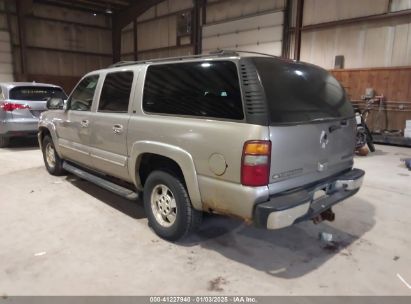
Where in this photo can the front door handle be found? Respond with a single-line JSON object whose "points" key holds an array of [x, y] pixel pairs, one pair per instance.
{"points": [[118, 129], [84, 123]]}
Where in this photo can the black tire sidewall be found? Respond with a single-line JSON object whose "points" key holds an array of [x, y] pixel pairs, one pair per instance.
{"points": [[181, 224]]}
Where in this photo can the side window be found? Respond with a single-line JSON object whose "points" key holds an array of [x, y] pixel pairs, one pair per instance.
{"points": [[82, 96], [115, 94], [208, 89], [1, 94]]}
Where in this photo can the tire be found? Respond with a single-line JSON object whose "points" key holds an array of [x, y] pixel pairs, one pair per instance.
{"points": [[168, 206], [4, 141], [54, 167]]}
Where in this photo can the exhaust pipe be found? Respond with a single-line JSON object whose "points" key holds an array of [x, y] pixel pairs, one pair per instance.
{"points": [[327, 215]]}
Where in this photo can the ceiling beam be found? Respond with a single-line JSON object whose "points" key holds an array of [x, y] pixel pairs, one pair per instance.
{"points": [[137, 7]]}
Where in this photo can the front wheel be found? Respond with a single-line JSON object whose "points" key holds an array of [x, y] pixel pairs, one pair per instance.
{"points": [[168, 206], [54, 164]]}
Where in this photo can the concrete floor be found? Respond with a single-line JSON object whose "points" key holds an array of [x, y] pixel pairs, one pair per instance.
{"points": [[64, 236]]}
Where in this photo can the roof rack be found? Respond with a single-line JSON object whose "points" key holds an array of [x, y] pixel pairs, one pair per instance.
{"points": [[218, 53]]}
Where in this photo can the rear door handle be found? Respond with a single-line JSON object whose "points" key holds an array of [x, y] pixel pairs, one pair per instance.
{"points": [[84, 123], [118, 129]]}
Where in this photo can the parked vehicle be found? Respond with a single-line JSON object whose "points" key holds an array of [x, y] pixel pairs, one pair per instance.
{"points": [[21, 104], [261, 138]]}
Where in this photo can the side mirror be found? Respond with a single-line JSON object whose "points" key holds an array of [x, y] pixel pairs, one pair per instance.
{"points": [[55, 104]]}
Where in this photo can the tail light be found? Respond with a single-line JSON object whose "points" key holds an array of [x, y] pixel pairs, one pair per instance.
{"points": [[255, 164], [10, 107]]}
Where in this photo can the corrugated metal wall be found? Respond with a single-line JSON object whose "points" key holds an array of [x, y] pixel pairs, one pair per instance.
{"points": [[382, 43], [62, 44], [241, 24], [244, 25], [157, 32], [374, 51], [6, 60]]}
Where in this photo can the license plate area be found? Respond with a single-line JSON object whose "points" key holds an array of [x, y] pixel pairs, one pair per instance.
{"points": [[320, 194]]}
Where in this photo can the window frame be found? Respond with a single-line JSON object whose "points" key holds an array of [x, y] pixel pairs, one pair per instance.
{"points": [[130, 100], [235, 62], [96, 90]]}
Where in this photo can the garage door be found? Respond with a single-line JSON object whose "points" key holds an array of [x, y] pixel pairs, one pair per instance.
{"points": [[262, 33]]}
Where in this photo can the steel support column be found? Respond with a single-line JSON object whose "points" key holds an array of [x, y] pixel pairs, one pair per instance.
{"points": [[298, 26], [116, 39], [196, 26], [24, 8], [135, 39]]}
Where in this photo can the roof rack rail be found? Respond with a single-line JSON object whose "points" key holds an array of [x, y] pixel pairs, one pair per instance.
{"points": [[250, 52], [216, 53]]}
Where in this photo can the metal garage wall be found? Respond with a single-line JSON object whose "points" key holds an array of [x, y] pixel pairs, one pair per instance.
{"points": [[62, 44], [369, 44], [319, 11], [244, 25], [383, 43], [400, 5], [157, 32], [262, 33], [6, 60], [376, 50]]}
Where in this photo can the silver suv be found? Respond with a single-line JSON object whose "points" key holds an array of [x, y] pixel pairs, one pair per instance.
{"points": [[268, 140], [20, 106]]}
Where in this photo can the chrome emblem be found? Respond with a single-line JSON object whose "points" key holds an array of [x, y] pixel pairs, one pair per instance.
{"points": [[323, 139]]}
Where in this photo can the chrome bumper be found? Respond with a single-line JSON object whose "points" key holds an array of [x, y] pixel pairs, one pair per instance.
{"points": [[286, 209]]}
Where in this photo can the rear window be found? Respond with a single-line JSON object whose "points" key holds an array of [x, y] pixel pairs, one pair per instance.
{"points": [[207, 89], [36, 93], [297, 92]]}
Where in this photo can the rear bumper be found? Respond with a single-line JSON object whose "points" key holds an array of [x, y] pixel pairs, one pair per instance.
{"points": [[20, 127], [288, 208]]}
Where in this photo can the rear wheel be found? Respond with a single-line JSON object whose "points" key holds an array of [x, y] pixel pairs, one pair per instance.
{"points": [[168, 206], [4, 141], [54, 164]]}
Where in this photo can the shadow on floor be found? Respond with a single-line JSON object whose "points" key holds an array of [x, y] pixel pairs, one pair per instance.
{"points": [[23, 144], [133, 209], [287, 253]]}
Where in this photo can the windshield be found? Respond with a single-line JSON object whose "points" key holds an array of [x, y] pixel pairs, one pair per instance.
{"points": [[298, 92], [36, 93]]}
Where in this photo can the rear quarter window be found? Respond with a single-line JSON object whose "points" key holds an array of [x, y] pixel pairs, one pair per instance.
{"points": [[201, 89], [298, 92]]}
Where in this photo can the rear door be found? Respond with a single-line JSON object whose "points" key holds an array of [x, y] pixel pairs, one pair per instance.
{"points": [[311, 123], [108, 146], [74, 129]]}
